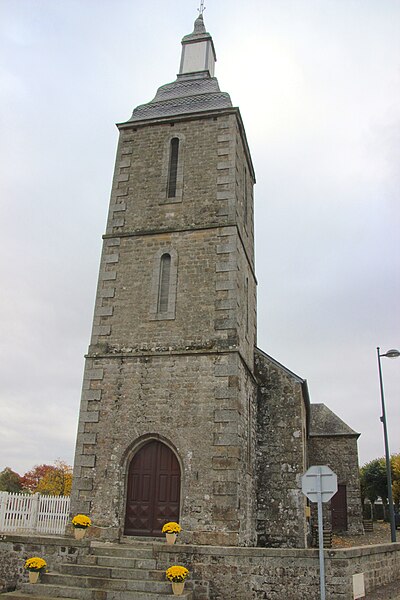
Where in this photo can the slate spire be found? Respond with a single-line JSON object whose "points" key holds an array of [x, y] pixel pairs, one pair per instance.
{"points": [[195, 89]]}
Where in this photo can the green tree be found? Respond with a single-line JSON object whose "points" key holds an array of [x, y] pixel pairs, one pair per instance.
{"points": [[10, 481], [373, 480]]}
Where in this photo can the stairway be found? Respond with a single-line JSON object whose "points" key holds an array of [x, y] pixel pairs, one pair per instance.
{"points": [[109, 572]]}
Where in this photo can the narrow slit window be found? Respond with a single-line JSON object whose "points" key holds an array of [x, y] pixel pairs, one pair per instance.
{"points": [[173, 167], [163, 287]]}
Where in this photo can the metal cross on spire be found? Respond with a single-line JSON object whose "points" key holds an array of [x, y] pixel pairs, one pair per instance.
{"points": [[202, 7]]}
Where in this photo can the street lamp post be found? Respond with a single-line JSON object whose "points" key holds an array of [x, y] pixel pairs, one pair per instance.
{"points": [[388, 354]]}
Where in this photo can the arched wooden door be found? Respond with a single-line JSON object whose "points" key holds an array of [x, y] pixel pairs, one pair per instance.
{"points": [[153, 494]]}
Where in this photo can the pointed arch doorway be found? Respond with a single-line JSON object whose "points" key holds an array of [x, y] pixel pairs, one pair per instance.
{"points": [[153, 492]]}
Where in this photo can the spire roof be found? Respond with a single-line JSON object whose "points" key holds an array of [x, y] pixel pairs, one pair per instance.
{"points": [[195, 89], [198, 31]]}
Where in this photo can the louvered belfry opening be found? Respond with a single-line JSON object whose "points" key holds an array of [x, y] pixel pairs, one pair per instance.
{"points": [[173, 167], [163, 287]]}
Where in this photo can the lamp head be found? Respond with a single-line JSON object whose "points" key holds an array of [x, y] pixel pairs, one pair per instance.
{"points": [[393, 353]]}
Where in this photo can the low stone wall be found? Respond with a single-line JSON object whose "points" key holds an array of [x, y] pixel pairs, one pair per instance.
{"points": [[379, 563], [16, 548], [274, 574], [224, 573]]}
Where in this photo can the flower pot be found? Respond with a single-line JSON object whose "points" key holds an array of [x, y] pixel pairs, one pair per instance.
{"points": [[171, 538], [79, 533], [177, 588], [33, 576]]}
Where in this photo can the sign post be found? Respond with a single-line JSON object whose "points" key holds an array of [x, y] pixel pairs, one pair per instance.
{"points": [[319, 484]]}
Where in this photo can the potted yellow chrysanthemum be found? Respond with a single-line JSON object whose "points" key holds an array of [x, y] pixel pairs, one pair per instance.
{"points": [[80, 523], [35, 566], [171, 531], [177, 575]]}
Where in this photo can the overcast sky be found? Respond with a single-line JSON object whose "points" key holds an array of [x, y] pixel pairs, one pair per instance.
{"points": [[318, 86]]}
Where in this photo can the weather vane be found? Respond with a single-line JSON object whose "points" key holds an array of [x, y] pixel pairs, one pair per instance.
{"points": [[202, 7]]}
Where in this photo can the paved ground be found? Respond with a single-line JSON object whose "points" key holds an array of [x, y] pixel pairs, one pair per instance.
{"points": [[380, 535], [389, 592]]}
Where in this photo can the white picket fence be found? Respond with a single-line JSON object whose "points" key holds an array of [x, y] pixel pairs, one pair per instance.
{"points": [[27, 513]]}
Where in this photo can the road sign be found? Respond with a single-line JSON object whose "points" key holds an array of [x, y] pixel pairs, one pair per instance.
{"points": [[319, 480], [319, 484]]}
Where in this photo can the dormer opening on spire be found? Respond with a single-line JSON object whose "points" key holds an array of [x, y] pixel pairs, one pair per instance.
{"points": [[198, 52]]}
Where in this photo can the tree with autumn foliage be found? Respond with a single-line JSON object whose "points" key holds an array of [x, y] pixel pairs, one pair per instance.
{"points": [[395, 462], [57, 481], [31, 479], [52, 480]]}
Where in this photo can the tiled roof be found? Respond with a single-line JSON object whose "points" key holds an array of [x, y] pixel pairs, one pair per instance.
{"points": [[325, 422], [187, 94]]}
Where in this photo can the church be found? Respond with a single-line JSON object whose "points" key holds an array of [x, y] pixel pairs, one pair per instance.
{"points": [[183, 418]]}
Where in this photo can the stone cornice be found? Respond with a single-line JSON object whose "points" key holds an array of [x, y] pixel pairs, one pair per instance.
{"points": [[188, 352]]}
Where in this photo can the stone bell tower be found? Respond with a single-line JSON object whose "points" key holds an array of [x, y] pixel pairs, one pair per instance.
{"points": [[167, 419]]}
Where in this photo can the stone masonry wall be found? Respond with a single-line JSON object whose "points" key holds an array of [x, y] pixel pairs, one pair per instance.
{"points": [[244, 187], [185, 377], [246, 299], [16, 548], [209, 295], [274, 574], [203, 226], [213, 158], [199, 406], [341, 455], [239, 573], [207, 147], [281, 459]]}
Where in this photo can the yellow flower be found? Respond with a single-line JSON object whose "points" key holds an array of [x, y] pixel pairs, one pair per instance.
{"points": [[35, 564], [81, 521], [177, 573], [171, 527]]}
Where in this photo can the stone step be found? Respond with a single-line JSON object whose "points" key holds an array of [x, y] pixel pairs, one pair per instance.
{"points": [[106, 583], [47, 591], [118, 561], [112, 572], [126, 551], [142, 540]]}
